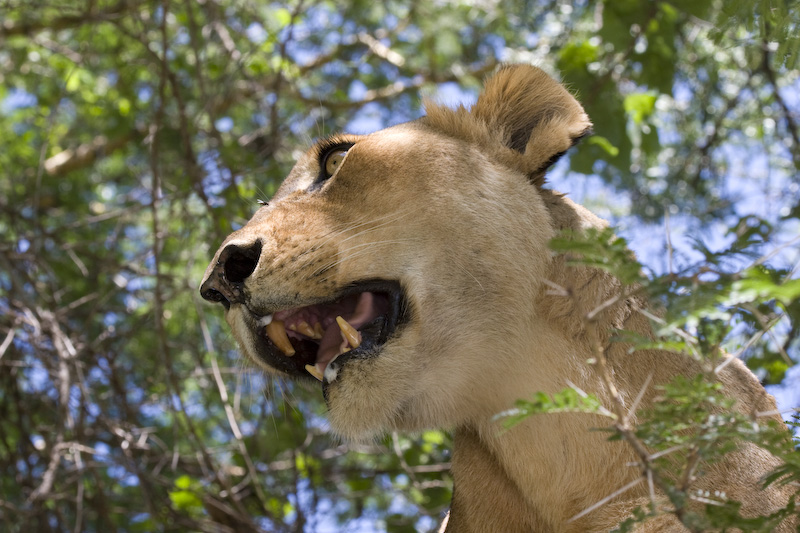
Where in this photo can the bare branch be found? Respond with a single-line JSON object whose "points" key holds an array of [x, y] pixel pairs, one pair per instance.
{"points": [[607, 499], [86, 154], [381, 50]]}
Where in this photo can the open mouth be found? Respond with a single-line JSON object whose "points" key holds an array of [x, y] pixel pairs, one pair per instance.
{"points": [[316, 340]]}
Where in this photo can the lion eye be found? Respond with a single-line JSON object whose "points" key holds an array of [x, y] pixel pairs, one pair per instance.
{"points": [[333, 160]]}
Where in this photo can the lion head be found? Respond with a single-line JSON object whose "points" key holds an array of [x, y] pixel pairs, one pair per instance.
{"points": [[402, 268]]}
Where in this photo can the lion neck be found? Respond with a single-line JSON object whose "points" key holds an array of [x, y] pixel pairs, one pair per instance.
{"points": [[499, 474]]}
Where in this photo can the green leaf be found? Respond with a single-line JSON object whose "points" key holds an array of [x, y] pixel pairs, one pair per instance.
{"points": [[433, 437], [565, 401], [757, 284], [282, 17], [639, 106], [576, 56], [184, 482], [600, 248], [184, 500], [605, 144]]}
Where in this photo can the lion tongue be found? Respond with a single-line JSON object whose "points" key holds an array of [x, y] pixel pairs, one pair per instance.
{"points": [[329, 346], [332, 343]]}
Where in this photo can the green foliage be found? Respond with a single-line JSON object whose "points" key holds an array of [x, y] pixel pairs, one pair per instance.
{"points": [[600, 249], [565, 401], [768, 21], [790, 469], [692, 423], [185, 496], [639, 106], [696, 418]]}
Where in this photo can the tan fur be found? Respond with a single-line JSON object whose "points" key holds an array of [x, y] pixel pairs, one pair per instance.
{"points": [[451, 205]]}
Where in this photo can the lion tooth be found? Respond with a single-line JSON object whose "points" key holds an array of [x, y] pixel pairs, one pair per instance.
{"points": [[349, 333], [307, 330], [318, 330], [343, 348], [277, 334], [264, 321], [314, 371]]}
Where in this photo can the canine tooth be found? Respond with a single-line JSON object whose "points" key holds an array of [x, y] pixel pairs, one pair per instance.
{"points": [[307, 330], [314, 371], [264, 321], [350, 334], [277, 334]]}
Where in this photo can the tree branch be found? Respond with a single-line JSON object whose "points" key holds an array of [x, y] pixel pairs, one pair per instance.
{"points": [[86, 154], [791, 124], [11, 28], [397, 88]]}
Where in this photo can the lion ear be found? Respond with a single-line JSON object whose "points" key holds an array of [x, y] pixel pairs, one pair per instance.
{"points": [[530, 118]]}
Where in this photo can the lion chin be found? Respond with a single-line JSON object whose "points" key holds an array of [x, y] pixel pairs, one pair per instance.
{"points": [[408, 273]]}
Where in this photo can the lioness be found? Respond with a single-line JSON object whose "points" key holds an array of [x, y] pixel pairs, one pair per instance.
{"points": [[409, 272]]}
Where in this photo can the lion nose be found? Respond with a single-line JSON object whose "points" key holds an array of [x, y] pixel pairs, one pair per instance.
{"points": [[224, 281]]}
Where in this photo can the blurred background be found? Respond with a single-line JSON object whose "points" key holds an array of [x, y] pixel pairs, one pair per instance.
{"points": [[136, 134]]}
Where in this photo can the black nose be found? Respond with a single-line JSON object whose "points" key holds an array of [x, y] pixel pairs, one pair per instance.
{"points": [[225, 282]]}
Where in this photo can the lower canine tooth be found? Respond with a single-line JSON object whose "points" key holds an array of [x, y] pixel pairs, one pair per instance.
{"points": [[314, 371], [351, 334], [277, 334]]}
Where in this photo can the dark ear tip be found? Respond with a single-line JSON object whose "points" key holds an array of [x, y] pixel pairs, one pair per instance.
{"points": [[552, 161], [585, 133]]}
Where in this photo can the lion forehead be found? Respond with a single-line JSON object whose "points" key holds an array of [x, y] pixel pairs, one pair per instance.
{"points": [[415, 153]]}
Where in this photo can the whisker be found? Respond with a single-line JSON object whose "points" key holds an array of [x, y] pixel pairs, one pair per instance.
{"points": [[467, 271], [380, 221], [335, 232], [373, 228], [359, 224], [368, 246]]}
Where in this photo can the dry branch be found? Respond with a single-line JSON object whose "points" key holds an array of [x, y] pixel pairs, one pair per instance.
{"points": [[86, 154]]}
